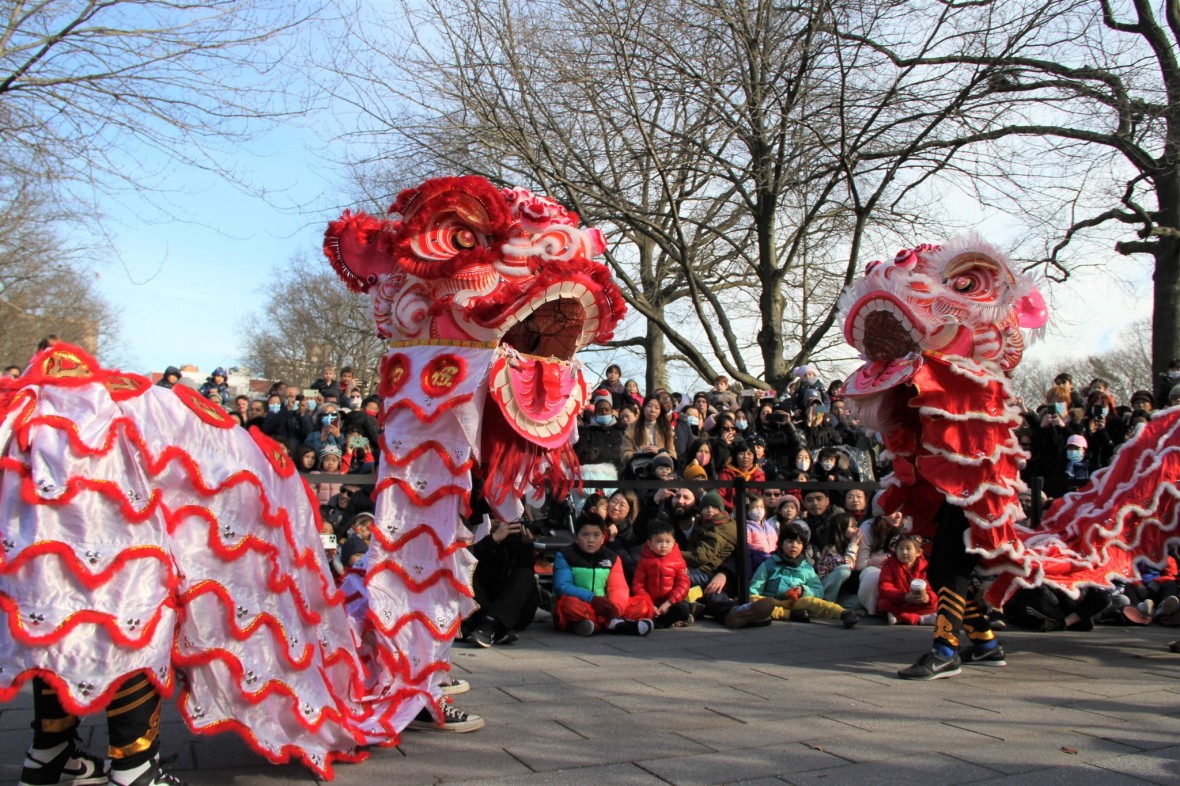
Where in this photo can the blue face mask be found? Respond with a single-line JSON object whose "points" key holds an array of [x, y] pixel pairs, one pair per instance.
{"points": [[604, 420], [274, 407], [741, 425], [693, 421], [1074, 455]]}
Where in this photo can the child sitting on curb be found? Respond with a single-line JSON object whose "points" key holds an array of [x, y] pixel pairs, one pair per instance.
{"points": [[789, 578], [591, 591], [661, 579], [903, 595]]}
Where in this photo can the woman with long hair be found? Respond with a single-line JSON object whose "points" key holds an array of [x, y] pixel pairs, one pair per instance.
{"points": [[651, 434]]}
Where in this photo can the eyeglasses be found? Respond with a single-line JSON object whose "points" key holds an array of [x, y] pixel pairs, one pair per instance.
{"points": [[729, 428], [346, 492]]}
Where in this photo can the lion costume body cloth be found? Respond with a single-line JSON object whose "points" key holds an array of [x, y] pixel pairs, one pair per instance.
{"points": [[940, 329], [143, 531]]}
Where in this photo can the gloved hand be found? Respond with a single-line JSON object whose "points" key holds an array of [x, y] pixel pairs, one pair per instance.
{"points": [[794, 594], [604, 608]]}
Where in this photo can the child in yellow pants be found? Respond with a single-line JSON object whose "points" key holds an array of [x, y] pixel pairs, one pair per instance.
{"points": [[789, 578]]}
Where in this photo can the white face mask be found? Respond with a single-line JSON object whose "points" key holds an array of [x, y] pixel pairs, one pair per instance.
{"points": [[355, 402]]}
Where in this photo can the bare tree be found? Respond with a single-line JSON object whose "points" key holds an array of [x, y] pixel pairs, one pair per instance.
{"points": [[45, 285], [718, 142], [107, 93], [1070, 116], [310, 320]]}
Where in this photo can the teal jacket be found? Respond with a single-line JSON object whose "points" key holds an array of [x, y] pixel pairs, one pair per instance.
{"points": [[774, 579]]}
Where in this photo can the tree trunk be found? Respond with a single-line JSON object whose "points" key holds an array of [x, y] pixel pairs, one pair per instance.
{"points": [[657, 363], [1165, 328]]}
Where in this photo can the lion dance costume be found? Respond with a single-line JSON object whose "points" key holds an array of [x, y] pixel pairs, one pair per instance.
{"points": [[152, 547], [940, 329]]}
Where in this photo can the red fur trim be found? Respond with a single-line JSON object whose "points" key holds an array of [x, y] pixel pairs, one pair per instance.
{"points": [[442, 574], [422, 529], [419, 501], [87, 578], [84, 617], [432, 629], [100, 700], [418, 450], [421, 414]]}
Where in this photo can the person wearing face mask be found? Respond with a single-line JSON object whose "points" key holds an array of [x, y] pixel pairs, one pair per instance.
{"points": [[281, 424], [601, 441], [1076, 467], [782, 440], [689, 427], [363, 419], [1053, 427]]}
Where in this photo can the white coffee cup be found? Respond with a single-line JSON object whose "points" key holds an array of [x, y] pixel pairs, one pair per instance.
{"points": [[918, 585]]}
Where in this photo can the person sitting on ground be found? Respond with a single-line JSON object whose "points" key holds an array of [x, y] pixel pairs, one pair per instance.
{"points": [[359, 534], [788, 578], [856, 502], [874, 547], [835, 558], [903, 594], [503, 585], [817, 512], [710, 544], [661, 579], [623, 536], [761, 534], [590, 591]]}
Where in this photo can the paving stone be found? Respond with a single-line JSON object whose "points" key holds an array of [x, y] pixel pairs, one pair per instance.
{"points": [[1081, 775], [605, 750], [747, 764], [932, 769]]}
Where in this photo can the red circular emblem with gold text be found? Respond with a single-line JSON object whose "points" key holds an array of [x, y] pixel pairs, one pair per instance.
{"points": [[275, 453], [203, 408], [442, 374], [395, 370]]}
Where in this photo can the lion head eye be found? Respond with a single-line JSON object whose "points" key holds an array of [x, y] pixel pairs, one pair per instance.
{"points": [[964, 284], [464, 238]]}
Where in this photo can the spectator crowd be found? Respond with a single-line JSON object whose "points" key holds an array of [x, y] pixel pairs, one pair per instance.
{"points": [[634, 561]]}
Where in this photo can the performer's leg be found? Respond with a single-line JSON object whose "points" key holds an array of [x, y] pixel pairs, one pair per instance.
{"points": [[55, 756], [950, 575], [132, 722]]}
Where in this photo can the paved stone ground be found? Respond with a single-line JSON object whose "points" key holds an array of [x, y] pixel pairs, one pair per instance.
{"points": [[792, 703]]}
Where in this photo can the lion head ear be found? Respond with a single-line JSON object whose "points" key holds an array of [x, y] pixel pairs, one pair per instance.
{"points": [[358, 247]]}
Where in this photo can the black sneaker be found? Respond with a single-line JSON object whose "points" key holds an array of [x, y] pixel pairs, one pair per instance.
{"points": [[932, 667], [974, 656], [152, 776], [484, 634], [849, 618], [507, 637], [72, 765], [453, 721], [748, 613]]}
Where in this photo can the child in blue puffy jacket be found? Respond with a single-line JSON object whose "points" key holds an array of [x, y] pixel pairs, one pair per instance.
{"points": [[791, 580]]}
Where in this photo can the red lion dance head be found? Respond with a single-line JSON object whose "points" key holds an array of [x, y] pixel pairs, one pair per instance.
{"points": [[468, 263]]}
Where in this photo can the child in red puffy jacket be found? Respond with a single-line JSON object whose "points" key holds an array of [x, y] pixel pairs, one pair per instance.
{"points": [[661, 579], [904, 596]]}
